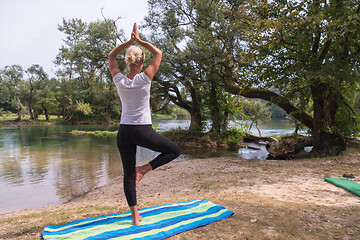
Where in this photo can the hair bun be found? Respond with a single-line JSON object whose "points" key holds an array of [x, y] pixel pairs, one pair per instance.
{"points": [[134, 55]]}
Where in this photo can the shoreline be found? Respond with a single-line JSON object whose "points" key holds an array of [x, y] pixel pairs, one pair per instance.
{"points": [[28, 121], [52, 122], [270, 199]]}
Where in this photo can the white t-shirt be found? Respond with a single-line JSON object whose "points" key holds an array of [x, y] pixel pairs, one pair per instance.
{"points": [[135, 98]]}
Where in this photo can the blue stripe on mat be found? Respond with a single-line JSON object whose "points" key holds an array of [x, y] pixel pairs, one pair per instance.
{"points": [[159, 222]]}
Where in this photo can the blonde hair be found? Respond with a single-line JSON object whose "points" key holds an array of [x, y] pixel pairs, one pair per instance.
{"points": [[134, 55]]}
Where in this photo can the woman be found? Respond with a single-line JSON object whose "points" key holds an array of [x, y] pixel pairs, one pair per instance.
{"points": [[135, 125]]}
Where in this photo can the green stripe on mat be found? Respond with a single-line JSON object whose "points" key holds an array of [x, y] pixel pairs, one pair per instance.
{"points": [[347, 184]]}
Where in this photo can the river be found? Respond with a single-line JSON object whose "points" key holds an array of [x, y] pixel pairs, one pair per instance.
{"points": [[44, 165]]}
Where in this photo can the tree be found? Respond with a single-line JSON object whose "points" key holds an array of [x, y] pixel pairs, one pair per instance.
{"points": [[257, 112], [67, 58], [49, 98], [36, 82], [302, 56], [10, 80], [84, 69], [309, 52], [189, 74]]}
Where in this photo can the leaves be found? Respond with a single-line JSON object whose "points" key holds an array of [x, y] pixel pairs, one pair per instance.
{"points": [[84, 108], [84, 68]]}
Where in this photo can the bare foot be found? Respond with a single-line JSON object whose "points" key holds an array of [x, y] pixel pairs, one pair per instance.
{"points": [[141, 171], [135, 215], [137, 220]]}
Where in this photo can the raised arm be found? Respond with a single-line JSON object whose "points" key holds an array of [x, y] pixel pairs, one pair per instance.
{"points": [[114, 68], [157, 54]]}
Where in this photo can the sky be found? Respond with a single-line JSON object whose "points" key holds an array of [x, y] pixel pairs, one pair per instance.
{"points": [[29, 33]]}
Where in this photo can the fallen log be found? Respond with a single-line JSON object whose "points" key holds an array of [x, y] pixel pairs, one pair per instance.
{"points": [[288, 147], [252, 138]]}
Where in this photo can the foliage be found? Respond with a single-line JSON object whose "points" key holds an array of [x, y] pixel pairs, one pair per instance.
{"points": [[28, 90], [233, 134], [4, 113], [34, 89], [10, 78], [83, 72], [309, 50], [189, 73], [300, 55], [84, 108], [179, 113], [256, 112]]}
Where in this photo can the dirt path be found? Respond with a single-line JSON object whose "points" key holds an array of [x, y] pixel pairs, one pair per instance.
{"points": [[270, 199]]}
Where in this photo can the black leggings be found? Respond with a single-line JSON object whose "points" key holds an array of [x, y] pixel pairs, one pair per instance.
{"points": [[130, 136]]}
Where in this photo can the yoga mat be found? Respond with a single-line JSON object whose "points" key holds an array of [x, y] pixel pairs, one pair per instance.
{"points": [[347, 184], [158, 222]]}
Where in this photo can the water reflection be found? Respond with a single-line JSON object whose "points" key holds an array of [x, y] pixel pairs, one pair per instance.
{"points": [[46, 165], [87, 163], [11, 171], [257, 151]]}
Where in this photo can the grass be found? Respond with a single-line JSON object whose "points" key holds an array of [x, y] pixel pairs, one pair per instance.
{"points": [[106, 134]]}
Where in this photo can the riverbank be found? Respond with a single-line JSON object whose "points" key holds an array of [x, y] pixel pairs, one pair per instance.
{"points": [[54, 122], [12, 120], [270, 199]]}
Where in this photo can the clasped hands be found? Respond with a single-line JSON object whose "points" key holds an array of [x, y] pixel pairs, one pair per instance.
{"points": [[135, 35]]}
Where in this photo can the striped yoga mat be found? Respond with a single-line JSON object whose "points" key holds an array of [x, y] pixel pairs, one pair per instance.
{"points": [[158, 222]]}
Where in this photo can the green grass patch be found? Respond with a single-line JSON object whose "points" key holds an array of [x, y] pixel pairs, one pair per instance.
{"points": [[105, 134]]}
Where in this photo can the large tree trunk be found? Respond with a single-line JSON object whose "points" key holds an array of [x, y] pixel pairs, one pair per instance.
{"points": [[65, 100], [30, 106], [45, 112], [195, 123], [20, 112], [327, 139], [214, 110], [193, 107]]}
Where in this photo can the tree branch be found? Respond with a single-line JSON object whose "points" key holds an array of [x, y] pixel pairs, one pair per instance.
{"points": [[275, 98], [316, 43], [325, 50]]}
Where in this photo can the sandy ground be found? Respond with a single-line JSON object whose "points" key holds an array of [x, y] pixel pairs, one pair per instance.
{"points": [[271, 199], [290, 183]]}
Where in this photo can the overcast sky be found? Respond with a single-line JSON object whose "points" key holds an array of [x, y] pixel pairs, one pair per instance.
{"points": [[29, 32]]}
